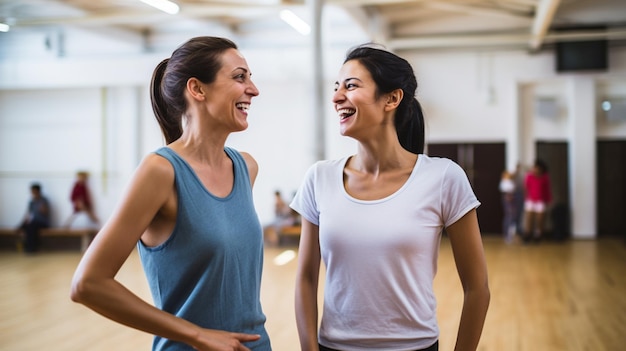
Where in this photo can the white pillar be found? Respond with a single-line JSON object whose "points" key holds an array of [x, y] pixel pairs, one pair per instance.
{"points": [[582, 156], [524, 127], [318, 79]]}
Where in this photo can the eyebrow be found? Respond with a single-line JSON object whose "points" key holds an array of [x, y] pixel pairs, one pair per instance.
{"points": [[348, 79], [241, 68]]}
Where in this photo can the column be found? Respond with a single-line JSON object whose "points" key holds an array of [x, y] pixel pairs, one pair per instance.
{"points": [[582, 155]]}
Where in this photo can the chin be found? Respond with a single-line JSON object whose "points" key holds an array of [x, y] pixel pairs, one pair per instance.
{"points": [[241, 128], [344, 132]]}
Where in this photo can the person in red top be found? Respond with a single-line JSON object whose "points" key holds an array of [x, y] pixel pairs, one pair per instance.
{"points": [[538, 197], [81, 199]]}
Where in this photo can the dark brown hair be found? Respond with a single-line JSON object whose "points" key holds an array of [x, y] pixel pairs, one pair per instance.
{"points": [[199, 57], [391, 72]]}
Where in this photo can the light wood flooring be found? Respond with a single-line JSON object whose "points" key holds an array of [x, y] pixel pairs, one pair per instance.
{"points": [[552, 296]]}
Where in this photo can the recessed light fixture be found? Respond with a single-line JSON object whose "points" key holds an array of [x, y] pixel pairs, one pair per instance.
{"points": [[4, 27], [163, 5], [296, 22]]}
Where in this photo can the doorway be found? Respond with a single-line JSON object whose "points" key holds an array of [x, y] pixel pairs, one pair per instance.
{"points": [[611, 187], [555, 155], [483, 163]]}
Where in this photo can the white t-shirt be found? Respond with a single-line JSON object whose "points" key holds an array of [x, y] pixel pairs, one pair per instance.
{"points": [[507, 186], [381, 255]]}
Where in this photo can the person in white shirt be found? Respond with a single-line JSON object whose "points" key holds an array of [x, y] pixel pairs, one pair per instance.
{"points": [[509, 221], [376, 219]]}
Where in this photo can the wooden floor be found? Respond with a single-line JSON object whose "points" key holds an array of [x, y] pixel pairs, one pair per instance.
{"points": [[569, 296]]}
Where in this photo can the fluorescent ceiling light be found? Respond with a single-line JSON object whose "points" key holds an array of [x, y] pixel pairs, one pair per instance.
{"points": [[4, 27], [163, 5], [296, 22]]}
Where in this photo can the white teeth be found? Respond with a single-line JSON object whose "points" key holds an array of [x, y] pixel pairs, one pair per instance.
{"points": [[345, 112], [243, 106]]}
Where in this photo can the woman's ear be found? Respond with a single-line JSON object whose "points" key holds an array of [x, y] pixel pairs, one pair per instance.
{"points": [[393, 99], [195, 89]]}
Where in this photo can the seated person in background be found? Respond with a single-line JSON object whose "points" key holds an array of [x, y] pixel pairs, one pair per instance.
{"points": [[83, 215], [281, 211], [283, 216], [37, 217]]}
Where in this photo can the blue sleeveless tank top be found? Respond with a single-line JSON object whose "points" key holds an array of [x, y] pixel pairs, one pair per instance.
{"points": [[209, 270]]}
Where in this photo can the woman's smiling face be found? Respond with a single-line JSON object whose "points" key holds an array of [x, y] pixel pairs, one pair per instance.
{"points": [[232, 91], [356, 101]]}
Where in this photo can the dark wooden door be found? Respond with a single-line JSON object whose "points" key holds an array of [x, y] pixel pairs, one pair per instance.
{"points": [[611, 188], [555, 155], [483, 163]]}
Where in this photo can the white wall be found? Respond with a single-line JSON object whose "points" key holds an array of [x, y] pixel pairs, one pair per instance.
{"points": [[58, 115]]}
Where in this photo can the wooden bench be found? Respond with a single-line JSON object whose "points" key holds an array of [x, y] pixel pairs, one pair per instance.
{"points": [[288, 231], [293, 230], [86, 235]]}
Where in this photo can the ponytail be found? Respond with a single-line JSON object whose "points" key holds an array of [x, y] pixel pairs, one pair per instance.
{"points": [[409, 123], [170, 124]]}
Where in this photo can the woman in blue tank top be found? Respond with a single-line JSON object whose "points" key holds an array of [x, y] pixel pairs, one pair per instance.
{"points": [[189, 211]]}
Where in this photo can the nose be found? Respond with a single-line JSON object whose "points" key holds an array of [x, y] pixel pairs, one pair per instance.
{"points": [[252, 89], [338, 96]]}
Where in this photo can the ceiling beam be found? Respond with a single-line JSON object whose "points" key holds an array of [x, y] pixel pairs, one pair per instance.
{"points": [[371, 2], [519, 40], [474, 10], [543, 18], [399, 14], [532, 3]]}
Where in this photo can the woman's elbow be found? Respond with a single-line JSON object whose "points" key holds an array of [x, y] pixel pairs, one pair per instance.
{"points": [[481, 293], [79, 291], [487, 295]]}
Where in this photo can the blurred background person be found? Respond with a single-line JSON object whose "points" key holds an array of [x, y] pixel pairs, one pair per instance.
{"points": [[284, 216], [37, 217], [538, 198], [509, 221], [519, 194], [83, 214]]}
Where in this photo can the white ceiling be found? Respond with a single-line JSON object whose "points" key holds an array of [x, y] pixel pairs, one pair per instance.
{"points": [[399, 24]]}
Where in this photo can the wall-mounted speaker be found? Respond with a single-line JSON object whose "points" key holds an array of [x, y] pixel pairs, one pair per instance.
{"points": [[585, 55]]}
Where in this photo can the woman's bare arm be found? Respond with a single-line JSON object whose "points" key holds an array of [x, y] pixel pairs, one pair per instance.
{"points": [[307, 280], [470, 261]]}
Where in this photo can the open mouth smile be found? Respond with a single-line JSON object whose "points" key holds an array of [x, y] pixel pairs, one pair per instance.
{"points": [[344, 113], [243, 106]]}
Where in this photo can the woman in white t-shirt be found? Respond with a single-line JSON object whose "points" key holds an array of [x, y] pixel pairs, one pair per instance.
{"points": [[376, 218]]}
